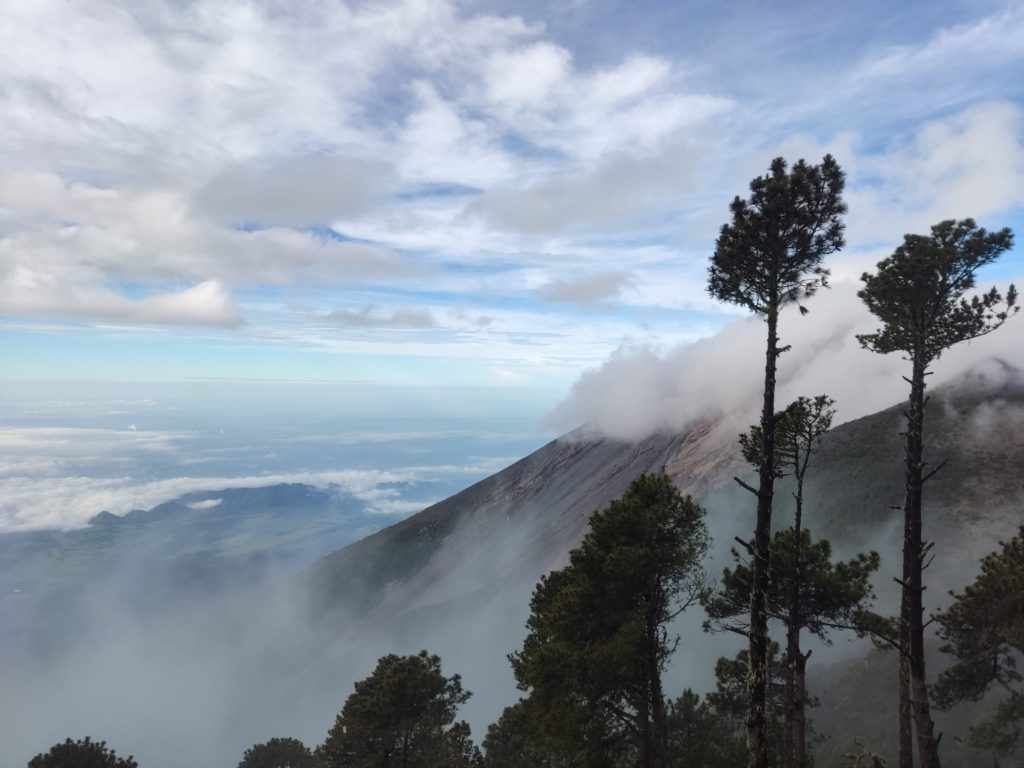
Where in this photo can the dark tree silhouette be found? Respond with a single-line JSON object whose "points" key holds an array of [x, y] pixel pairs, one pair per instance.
{"points": [[598, 640], [984, 631], [918, 294], [518, 741], [770, 255], [279, 753], [84, 753], [806, 590], [699, 735], [402, 715]]}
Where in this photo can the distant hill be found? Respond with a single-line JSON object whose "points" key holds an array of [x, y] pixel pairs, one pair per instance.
{"points": [[191, 542]]}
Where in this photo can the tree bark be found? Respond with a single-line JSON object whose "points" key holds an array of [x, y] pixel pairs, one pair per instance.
{"points": [[757, 731], [906, 713], [913, 567], [644, 721], [906, 720], [657, 725], [795, 746]]}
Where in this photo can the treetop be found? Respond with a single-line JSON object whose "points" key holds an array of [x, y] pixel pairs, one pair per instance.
{"points": [[771, 253]]}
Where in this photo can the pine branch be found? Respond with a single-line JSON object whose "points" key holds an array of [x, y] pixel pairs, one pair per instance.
{"points": [[749, 488]]}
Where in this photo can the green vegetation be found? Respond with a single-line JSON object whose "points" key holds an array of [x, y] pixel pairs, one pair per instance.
{"points": [[84, 753], [918, 294], [984, 631], [402, 715], [806, 591], [769, 256], [598, 639], [280, 753]]}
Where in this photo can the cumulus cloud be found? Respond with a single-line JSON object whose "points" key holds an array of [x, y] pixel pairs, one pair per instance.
{"points": [[39, 294], [638, 392]]}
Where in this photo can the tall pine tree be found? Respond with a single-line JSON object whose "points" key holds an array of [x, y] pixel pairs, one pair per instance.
{"points": [[770, 255], [918, 294], [807, 591]]}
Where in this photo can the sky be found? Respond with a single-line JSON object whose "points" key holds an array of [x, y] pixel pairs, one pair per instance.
{"points": [[466, 205]]}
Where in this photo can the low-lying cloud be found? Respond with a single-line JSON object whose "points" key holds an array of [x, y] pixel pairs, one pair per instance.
{"points": [[639, 391]]}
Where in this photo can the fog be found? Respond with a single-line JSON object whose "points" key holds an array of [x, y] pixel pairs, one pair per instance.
{"points": [[194, 676], [638, 391]]}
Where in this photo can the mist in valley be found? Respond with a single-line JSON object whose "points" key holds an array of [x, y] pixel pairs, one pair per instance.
{"points": [[175, 674]]}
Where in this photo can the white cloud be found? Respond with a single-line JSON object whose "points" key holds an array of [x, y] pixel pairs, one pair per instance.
{"points": [[638, 392], [968, 164], [527, 78], [205, 504], [37, 294], [587, 290], [476, 155]]}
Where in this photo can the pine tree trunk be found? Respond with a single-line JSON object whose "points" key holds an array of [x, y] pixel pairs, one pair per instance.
{"points": [[913, 566], [658, 726], [659, 723], [906, 721], [800, 714], [644, 721], [796, 662], [757, 730], [789, 704]]}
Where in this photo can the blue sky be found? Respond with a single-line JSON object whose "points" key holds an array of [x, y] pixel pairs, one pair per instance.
{"points": [[489, 196]]}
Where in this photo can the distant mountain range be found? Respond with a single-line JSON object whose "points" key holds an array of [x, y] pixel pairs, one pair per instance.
{"points": [[193, 542]]}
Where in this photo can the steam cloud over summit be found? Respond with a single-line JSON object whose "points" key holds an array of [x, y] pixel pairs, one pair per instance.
{"points": [[638, 392]]}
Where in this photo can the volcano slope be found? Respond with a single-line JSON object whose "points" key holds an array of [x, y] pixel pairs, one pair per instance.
{"points": [[464, 568]]}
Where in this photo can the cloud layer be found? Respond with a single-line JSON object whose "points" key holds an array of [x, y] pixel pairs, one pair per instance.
{"points": [[639, 392], [234, 166]]}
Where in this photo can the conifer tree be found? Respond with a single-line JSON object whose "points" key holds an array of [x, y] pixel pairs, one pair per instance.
{"points": [[699, 735], [517, 740], [402, 715], [806, 590], [279, 753], [598, 641], [984, 631], [729, 699], [918, 295], [83, 753], [771, 255]]}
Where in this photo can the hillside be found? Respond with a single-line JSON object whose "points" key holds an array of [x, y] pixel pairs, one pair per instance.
{"points": [[480, 552]]}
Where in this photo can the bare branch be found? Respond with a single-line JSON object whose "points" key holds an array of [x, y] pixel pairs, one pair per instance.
{"points": [[749, 488], [934, 472]]}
